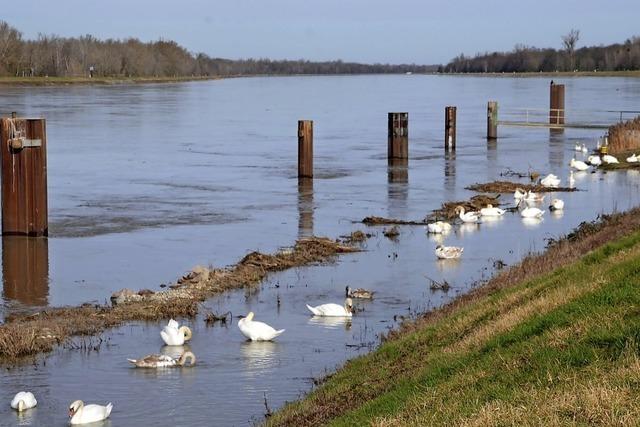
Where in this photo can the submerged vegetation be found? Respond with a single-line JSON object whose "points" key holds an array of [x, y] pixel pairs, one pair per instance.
{"points": [[552, 340], [27, 335]]}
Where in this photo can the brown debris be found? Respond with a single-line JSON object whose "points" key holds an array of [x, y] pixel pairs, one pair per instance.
{"points": [[29, 335], [357, 236], [378, 220], [391, 233], [448, 209], [510, 187]]}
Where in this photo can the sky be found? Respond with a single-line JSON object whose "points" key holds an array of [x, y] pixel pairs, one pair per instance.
{"points": [[390, 31]]}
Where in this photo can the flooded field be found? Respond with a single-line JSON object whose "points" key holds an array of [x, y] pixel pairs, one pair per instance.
{"points": [[147, 181]]}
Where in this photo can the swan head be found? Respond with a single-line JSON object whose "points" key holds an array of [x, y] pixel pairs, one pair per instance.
{"points": [[489, 206], [186, 331], [249, 316], [459, 209], [75, 407], [348, 305], [187, 355], [21, 405]]}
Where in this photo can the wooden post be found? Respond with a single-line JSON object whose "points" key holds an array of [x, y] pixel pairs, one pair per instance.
{"points": [[23, 143], [305, 148], [556, 104], [492, 120], [450, 128], [398, 136], [25, 269]]}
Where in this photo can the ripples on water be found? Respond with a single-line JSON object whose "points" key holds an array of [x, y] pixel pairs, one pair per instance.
{"points": [[210, 176]]}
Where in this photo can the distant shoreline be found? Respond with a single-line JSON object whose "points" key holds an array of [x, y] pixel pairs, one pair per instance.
{"points": [[67, 81]]}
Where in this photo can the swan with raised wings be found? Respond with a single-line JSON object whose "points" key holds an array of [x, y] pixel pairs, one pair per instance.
{"points": [[174, 334]]}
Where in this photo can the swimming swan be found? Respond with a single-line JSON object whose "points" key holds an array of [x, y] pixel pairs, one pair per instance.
{"points": [[609, 159], [23, 400], [164, 361], [173, 334], [519, 194], [556, 205], [632, 159], [81, 414], [468, 216], [550, 181], [448, 252], [578, 165], [531, 213], [594, 160], [333, 309], [257, 331], [491, 211]]}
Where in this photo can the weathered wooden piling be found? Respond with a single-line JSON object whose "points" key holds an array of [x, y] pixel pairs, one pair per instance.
{"points": [[556, 104], [492, 120], [450, 128], [23, 143], [305, 148], [398, 140], [25, 269]]}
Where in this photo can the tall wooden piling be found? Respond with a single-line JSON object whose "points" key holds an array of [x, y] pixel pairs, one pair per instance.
{"points": [[398, 136], [450, 128], [305, 148], [492, 120], [556, 104], [23, 145]]}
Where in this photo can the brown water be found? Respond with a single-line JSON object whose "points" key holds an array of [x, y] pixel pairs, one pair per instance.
{"points": [[147, 181]]}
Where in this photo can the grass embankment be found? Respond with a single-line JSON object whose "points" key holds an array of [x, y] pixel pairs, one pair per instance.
{"points": [[28, 335], [555, 340], [63, 81]]}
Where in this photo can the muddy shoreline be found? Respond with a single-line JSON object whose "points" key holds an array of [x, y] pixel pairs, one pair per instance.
{"points": [[23, 336]]}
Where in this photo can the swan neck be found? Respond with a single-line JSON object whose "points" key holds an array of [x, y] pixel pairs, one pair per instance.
{"points": [[187, 356], [186, 331]]}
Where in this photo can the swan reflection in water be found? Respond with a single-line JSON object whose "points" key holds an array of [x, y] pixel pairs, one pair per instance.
{"points": [[258, 357], [331, 322], [532, 222], [468, 228], [174, 351], [557, 214], [491, 221]]}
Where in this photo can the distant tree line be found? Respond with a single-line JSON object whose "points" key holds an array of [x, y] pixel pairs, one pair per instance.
{"points": [[51, 55], [615, 57]]}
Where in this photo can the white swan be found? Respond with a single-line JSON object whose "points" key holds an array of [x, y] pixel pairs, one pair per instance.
{"points": [[438, 227], [557, 205], [531, 213], [448, 252], [164, 361], [519, 194], [609, 159], [632, 159], [584, 149], [594, 160], [534, 197], [174, 334], [551, 181], [333, 309], [84, 414], [466, 216], [577, 147], [257, 331], [578, 165], [491, 211], [23, 400]]}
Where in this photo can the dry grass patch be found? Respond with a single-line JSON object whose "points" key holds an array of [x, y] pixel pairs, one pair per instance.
{"points": [[510, 187], [625, 137]]}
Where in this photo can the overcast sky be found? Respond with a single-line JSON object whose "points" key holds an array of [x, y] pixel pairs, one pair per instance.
{"points": [[393, 31]]}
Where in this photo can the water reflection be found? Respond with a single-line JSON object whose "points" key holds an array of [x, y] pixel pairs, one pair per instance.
{"points": [[331, 322], [556, 149], [398, 188], [174, 351], [532, 222], [25, 269], [260, 356], [450, 171], [492, 156], [305, 207]]}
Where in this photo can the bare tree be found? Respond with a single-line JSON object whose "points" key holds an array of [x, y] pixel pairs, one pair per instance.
{"points": [[569, 42]]}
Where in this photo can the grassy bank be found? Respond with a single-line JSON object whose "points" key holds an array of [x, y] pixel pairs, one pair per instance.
{"points": [[64, 81], [554, 340]]}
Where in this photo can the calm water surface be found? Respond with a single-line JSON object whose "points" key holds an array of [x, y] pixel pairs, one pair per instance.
{"points": [[147, 181]]}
